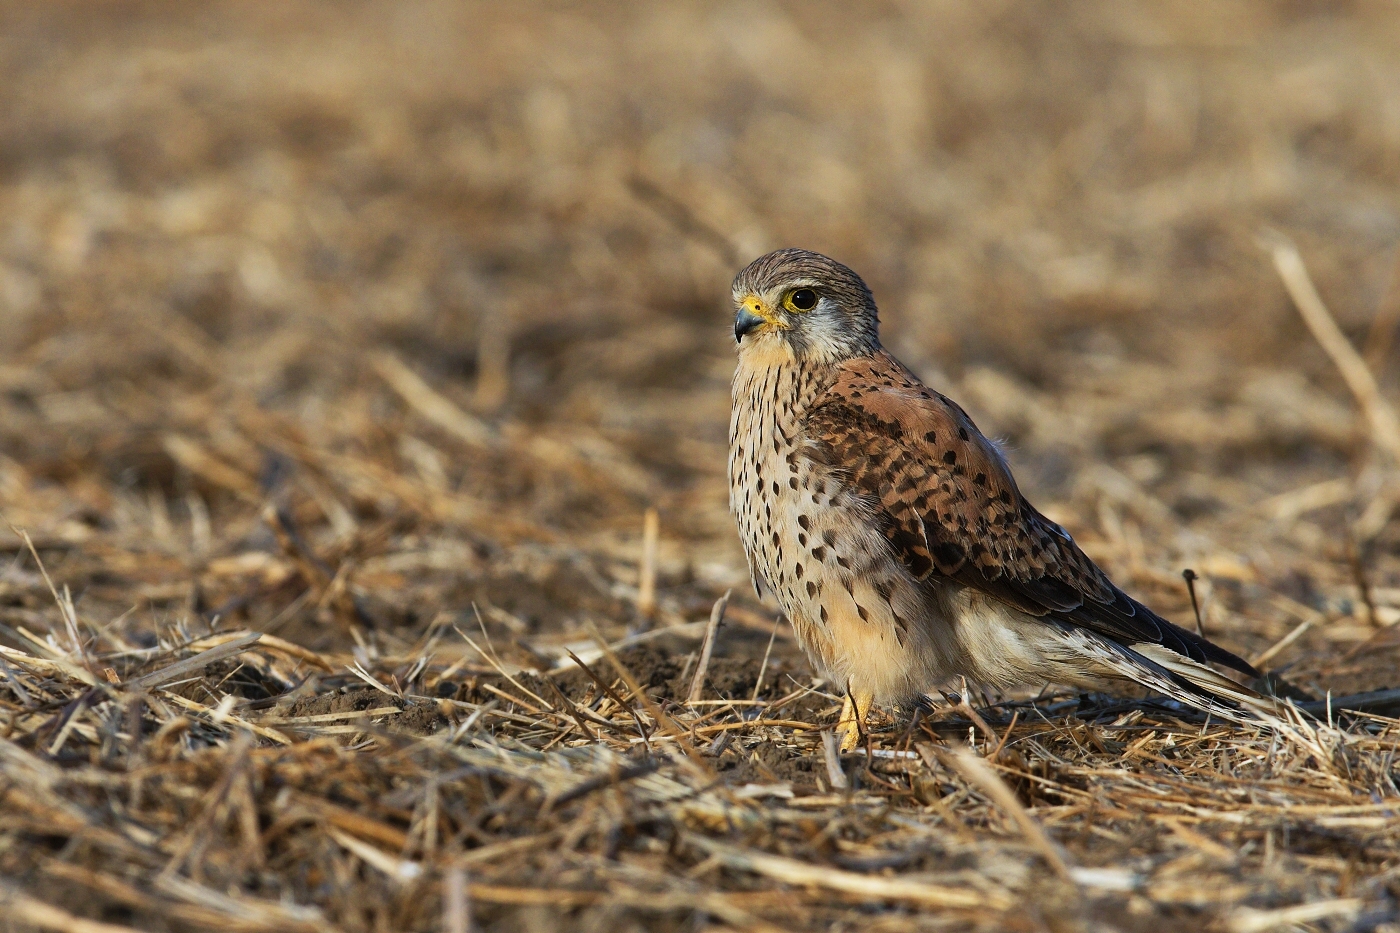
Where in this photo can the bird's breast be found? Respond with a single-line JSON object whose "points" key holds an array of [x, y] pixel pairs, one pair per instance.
{"points": [[798, 528], [765, 430]]}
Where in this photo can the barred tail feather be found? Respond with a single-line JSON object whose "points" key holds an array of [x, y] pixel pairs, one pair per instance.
{"points": [[1210, 683]]}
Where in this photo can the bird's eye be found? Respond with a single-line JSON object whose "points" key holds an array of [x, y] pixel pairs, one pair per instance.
{"points": [[804, 299]]}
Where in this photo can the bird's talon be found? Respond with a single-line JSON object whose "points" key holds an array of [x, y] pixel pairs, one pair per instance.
{"points": [[850, 736], [851, 725]]}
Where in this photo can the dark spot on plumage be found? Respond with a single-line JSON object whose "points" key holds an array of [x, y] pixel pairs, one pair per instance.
{"points": [[775, 539], [829, 537], [792, 482], [850, 587], [842, 562], [948, 555], [823, 613], [980, 479], [797, 570], [801, 539], [962, 433], [931, 437], [819, 553], [950, 457], [906, 541], [860, 611], [811, 589]]}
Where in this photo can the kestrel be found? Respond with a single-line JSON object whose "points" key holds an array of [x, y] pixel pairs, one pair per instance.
{"points": [[893, 534]]}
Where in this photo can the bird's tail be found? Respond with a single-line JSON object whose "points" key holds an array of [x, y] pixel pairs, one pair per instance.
{"points": [[1201, 687]]}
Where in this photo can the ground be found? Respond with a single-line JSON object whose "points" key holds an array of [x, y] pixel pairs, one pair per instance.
{"points": [[344, 348]]}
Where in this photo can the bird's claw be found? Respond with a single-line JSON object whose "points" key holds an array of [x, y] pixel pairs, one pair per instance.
{"points": [[851, 725]]}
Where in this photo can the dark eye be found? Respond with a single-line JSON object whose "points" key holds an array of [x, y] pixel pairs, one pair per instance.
{"points": [[804, 299]]}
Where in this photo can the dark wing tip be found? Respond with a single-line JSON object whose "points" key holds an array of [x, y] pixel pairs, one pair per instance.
{"points": [[1186, 642]]}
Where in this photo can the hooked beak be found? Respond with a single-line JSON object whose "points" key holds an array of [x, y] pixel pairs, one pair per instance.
{"points": [[746, 321]]}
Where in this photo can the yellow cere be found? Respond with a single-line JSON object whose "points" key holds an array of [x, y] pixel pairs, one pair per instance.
{"points": [[756, 305]]}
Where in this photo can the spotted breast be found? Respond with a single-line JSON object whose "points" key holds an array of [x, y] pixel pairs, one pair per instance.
{"points": [[810, 542]]}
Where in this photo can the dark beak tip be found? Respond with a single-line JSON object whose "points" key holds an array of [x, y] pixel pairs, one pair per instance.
{"points": [[744, 322]]}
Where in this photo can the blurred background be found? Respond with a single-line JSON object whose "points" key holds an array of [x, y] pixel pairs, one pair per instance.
{"points": [[331, 319]]}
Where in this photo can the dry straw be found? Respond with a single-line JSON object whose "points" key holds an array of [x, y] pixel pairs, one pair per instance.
{"points": [[323, 327]]}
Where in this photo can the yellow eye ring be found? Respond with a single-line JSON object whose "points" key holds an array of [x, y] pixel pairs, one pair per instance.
{"points": [[801, 299]]}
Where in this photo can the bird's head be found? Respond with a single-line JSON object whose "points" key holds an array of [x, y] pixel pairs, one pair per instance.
{"points": [[803, 302]]}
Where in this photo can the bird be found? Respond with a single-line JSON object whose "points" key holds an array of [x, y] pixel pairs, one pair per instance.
{"points": [[894, 536]]}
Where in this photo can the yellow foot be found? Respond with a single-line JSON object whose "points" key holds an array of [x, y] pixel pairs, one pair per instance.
{"points": [[851, 726]]}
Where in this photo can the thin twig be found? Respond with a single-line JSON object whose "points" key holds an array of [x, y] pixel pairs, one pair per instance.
{"points": [[1385, 427], [660, 718], [456, 908], [1270, 653], [612, 695], [979, 773], [1358, 574], [966, 709], [198, 662], [65, 609], [646, 589], [1189, 576], [1381, 335], [433, 406], [767, 653], [697, 683], [831, 754]]}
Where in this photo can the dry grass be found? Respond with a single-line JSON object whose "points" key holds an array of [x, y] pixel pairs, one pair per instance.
{"points": [[344, 348]]}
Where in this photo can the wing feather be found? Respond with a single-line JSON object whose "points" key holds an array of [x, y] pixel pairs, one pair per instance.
{"points": [[945, 499]]}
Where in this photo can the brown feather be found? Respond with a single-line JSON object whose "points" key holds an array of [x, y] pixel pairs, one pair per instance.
{"points": [[946, 502]]}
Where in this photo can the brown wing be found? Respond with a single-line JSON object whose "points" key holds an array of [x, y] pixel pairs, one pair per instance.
{"points": [[947, 503]]}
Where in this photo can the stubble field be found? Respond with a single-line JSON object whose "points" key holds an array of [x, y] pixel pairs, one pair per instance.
{"points": [[344, 350]]}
